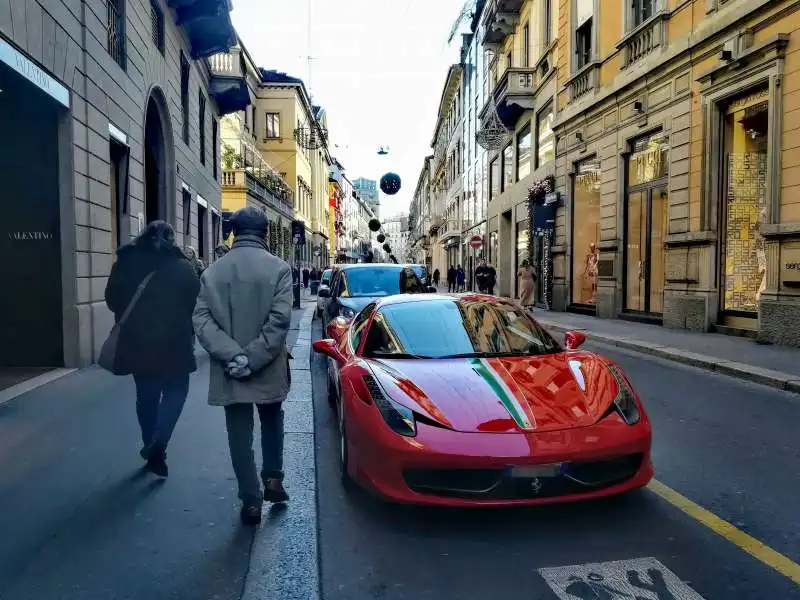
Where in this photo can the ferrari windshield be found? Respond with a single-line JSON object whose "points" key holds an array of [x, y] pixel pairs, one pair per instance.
{"points": [[456, 329], [380, 280]]}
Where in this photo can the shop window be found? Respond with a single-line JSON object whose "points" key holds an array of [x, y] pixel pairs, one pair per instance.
{"points": [[273, 130], [524, 152], [584, 32], [120, 211], [508, 168], [745, 203], [523, 240], [494, 179], [545, 140], [115, 31], [585, 232]]}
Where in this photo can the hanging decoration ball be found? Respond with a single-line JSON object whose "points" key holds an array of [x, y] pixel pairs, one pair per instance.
{"points": [[387, 248], [392, 258], [390, 183], [381, 238], [374, 225]]}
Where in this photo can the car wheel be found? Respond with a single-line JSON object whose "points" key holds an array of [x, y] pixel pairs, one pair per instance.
{"points": [[344, 456], [332, 392]]}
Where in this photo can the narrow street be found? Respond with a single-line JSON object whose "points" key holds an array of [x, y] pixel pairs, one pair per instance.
{"points": [[722, 443]]}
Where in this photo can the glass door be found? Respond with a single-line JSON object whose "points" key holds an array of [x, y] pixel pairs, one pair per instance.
{"points": [[645, 232]]}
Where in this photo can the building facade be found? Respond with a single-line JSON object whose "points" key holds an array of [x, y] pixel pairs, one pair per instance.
{"points": [[395, 228], [109, 119], [419, 217], [367, 189], [676, 156]]}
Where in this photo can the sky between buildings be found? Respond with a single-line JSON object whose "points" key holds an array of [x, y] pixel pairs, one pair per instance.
{"points": [[378, 67]]}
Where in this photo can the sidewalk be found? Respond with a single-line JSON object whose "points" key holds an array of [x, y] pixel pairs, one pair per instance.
{"points": [[776, 366]]}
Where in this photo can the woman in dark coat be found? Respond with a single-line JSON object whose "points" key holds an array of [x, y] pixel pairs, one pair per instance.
{"points": [[156, 344]]}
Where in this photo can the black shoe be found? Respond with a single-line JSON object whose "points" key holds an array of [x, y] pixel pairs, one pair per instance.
{"points": [[250, 514], [276, 495], [157, 462]]}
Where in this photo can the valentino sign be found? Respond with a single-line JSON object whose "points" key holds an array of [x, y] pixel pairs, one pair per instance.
{"points": [[33, 73], [24, 236]]}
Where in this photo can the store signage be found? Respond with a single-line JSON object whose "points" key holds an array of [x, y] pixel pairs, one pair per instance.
{"points": [[551, 198], [790, 265], [26, 67], [27, 236]]}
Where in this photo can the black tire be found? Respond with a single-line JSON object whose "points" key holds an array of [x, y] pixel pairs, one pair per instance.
{"points": [[344, 458], [331, 391]]}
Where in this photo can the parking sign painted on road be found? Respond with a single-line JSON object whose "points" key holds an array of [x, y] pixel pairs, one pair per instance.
{"points": [[635, 579]]}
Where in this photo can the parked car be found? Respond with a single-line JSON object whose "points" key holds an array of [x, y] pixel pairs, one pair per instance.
{"points": [[324, 282], [467, 401]]}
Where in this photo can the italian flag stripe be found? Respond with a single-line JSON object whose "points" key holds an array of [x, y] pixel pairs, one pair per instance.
{"points": [[506, 397]]}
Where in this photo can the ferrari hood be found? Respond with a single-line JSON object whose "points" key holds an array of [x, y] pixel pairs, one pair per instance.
{"points": [[503, 395]]}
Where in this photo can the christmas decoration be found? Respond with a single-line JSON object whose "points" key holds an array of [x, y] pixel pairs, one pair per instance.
{"points": [[536, 197], [390, 184], [387, 248], [493, 134], [381, 238], [392, 258], [374, 225]]}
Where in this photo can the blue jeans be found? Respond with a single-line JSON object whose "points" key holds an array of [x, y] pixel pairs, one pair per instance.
{"points": [[159, 403]]}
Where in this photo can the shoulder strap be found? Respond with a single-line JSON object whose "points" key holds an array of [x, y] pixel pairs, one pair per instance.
{"points": [[135, 299]]}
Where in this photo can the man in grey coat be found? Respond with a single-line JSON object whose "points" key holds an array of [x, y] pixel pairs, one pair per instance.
{"points": [[242, 319]]}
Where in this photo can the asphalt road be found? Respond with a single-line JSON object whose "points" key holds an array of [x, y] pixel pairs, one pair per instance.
{"points": [[80, 520], [730, 447]]}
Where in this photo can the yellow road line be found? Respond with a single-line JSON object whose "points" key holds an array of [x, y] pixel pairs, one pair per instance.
{"points": [[758, 550]]}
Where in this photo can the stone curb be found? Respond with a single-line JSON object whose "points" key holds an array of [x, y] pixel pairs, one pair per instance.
{"points": [[777, 379]]}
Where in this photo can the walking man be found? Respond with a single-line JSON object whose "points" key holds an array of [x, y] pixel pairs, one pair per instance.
{"points": [[156, 342], [451, 279], [242, 319]]}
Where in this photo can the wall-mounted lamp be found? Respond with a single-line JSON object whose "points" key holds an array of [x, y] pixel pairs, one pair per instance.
{"points": [[638, 106], [579, 136], [726, 55]]}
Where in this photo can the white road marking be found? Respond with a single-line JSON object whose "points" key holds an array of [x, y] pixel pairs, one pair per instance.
{"points": [[634, 579]]}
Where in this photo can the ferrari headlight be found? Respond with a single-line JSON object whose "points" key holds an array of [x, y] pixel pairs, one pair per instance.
{"points": [[346, 313], [398, 417], [625, 403]]}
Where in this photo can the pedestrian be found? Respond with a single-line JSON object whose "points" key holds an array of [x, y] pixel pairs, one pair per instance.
{"points": [[451, 279], [526, 278], [491, 279], [436, 276], [156, 342], [482, 276], [221, 251], [461, 278], [194, 260], [242, 319], [306, 275]]}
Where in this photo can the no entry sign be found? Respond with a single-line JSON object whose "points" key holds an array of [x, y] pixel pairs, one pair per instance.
{"points": [[476, 242]]}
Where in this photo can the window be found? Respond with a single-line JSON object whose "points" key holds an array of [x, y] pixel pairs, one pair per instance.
{"points": [[202, 231], [545, 140], [157, 25], [253, 119], [359, 322], [214, 158], [526, 45], [449, 327], [524, 152], [548, 22], [115, 31], [641, 11], [185, 96], [508, 168], [509, 61], [371, 282], [187, 213], [584, 32], [201, 124], [585, 232], [216, 229], [120, 222], [273, 130]]}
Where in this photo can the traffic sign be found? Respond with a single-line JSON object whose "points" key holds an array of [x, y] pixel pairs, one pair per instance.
{"points": [[476, 242]]}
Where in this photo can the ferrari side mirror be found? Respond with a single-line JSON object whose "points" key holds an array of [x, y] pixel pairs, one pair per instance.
{"points": [[324, 292], [574, 339], [329, 348]]}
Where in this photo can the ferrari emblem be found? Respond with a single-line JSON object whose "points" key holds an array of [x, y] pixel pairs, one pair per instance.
{"points": [[536, 485]]}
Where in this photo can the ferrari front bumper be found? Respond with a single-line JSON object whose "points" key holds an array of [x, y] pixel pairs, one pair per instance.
{"points": [[449, 468]]}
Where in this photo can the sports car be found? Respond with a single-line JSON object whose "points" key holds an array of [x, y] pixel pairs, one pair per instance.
{"points": [[466, 401]]}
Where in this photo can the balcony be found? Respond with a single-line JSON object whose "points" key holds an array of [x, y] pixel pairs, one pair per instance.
{"points": [[262, 190], [450, 229], [646, 39], [585, 82], [513, 95], [207, 24], [228, 84], [500, 18]]}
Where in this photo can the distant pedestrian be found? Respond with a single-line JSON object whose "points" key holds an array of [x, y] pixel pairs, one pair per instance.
{"points": [[482, 277], [306, 276], [491, 279], [194, 260], [156, 342], [451, 279], [461, 278], [436, 276], [242, 319], [526, 278], [221, 251]]}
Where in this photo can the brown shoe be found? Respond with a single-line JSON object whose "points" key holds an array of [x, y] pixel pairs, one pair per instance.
{"points": [[274, 492]]}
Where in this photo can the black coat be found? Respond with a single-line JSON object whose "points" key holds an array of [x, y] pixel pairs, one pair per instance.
{"points": [[158, 337]]}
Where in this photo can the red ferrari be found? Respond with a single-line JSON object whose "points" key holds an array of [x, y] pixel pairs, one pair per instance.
{"points": [[466, 400]]}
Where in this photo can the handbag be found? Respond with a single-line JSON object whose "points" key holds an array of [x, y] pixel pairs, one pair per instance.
{"points": [[108, 353]]}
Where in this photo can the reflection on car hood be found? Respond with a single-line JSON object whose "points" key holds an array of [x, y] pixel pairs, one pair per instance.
{"points": [[503, 395]]}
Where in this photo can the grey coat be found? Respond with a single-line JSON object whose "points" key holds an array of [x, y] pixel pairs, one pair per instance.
{"points": [[245, 307]]}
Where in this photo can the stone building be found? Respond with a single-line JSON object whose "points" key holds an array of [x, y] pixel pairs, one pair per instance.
{"points": [[676, 154], [109, 119]]}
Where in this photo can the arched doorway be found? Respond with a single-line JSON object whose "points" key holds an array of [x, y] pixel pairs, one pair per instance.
{"points": [[158, 160]]}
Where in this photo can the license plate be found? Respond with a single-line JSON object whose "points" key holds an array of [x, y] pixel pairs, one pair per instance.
{"points": [[528, 472]]}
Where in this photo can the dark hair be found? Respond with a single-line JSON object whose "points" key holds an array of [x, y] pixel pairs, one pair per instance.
{"points": [[158, 234]]}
